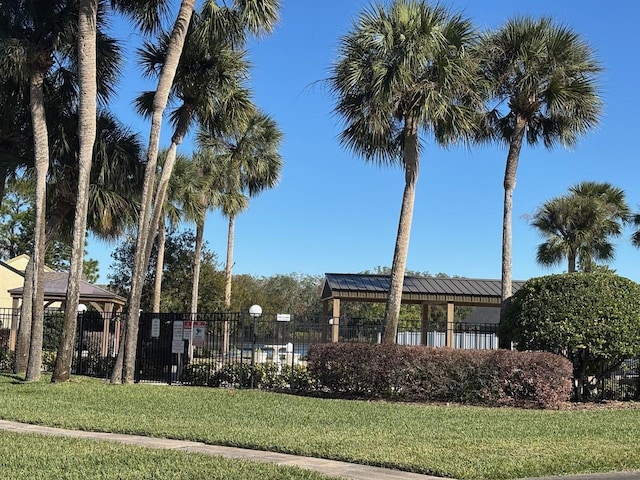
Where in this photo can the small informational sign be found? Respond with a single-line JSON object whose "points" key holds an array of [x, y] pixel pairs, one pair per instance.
{"points": [[199, 334], [155, 328], [283, 317], [186, 332], [177, 343]]}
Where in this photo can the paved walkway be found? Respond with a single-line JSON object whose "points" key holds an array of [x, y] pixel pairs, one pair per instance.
{"points": [[327, 467]]}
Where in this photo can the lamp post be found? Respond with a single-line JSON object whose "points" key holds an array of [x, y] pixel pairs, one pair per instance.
{"points": [[255, 311]]}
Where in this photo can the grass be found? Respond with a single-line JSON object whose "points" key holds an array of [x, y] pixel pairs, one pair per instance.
{"points": [[28, 457], [451, 441]]}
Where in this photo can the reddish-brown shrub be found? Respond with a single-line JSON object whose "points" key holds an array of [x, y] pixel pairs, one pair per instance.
{"points": [[488, 377]]}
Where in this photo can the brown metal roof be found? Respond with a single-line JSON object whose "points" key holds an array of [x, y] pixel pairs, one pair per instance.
{"points": [[374, 288], [55, 288]]}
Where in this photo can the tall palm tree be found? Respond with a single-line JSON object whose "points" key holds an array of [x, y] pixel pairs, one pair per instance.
{"points": [[542, 77], [181, 189], [147, 15], [401, 71], [33, 31], [254, 17], [95, 77], [206, 174], [579, 226], [251, 162], [206, 86]]}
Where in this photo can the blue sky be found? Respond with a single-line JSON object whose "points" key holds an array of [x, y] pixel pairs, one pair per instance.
{"points": [[332, 212]]}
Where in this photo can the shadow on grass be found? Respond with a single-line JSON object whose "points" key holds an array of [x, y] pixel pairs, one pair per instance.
{"points": [[15, 378]]}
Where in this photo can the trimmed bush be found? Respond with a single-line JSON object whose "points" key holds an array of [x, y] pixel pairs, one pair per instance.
{"points": [[484, 377], [267, 376], [591, 318]]}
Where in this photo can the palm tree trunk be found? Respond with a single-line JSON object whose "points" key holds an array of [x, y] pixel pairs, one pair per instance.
{"points": [[571, 262], [157, 288], [229, 264], [174, 50], [41, 156], [161, 193], [394, 300], [228, 277], [23, 341], [4, 174], [196, 267], [87, 114], [509, 185]]}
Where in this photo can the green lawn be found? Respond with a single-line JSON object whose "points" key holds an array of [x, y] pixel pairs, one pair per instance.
{"points": [[28, 457], [452, 441]]}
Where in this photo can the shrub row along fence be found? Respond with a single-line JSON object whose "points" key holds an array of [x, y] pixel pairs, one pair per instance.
{"points": [[235, 349]]}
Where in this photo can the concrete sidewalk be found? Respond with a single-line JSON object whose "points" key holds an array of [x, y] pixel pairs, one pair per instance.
{"points": [[327, 467]]}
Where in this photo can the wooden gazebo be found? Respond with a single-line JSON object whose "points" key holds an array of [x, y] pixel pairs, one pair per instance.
{"points": [[107, 303], [423, 291]]}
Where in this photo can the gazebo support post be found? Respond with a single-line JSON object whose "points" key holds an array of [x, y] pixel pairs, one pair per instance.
{"points": [[450, 324], [424, 324], [335, 324]]}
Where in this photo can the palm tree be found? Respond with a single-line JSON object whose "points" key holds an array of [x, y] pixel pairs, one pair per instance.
{"points": [[255, 17], [542, 78], [181, 189], [15, 153], [207, 85], [207, 175], [231, 205], [579, 226], [32, 32], [90, 39], [251, 162], [115, 181], [635, 237], [404, 70], [147, 15]]}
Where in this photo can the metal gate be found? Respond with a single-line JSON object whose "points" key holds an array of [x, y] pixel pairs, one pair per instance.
{"points": [[173, 347]]}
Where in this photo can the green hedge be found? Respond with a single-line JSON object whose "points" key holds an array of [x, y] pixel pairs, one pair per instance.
{"points": [[485, 377], [267, 376]]}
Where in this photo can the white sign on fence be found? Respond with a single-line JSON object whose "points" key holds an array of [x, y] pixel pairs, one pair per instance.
{"points": [[199, 332], [155, 328], [177, 343], [283, 317]]}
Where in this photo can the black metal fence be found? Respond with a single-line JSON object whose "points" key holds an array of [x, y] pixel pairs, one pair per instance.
{"points": [[229, 348], [177, 347], [623, 383]]}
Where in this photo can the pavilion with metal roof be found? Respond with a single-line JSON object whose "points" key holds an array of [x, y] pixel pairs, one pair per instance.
{"points": [[424, 291], [107, 303]]}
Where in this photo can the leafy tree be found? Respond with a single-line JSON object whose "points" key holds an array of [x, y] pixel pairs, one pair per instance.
{"points": [[293, 293], [401, 71], [16, 231], [16, 220], [593, 319], [579, 226], [542, 79], [178, 274]]}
